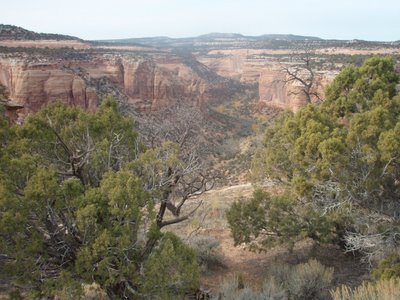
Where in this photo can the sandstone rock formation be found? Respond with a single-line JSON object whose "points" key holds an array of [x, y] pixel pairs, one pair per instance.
{"points": [[151, 73], [33, 84], [260, 67], [275, 90], [148, 82]]}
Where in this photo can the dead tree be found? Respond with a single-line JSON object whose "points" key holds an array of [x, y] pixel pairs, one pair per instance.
{"points": [[182, 123], [176, 133], [301, 71]]}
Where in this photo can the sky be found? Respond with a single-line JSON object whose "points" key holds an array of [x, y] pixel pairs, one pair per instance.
{"points": [[114, 19]]}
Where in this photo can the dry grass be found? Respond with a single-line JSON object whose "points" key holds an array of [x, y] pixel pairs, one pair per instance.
{"points": [[210, 220], [383, 290]]}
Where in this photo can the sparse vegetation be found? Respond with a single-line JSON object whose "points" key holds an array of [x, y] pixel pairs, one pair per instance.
{"points": [[234, 289], [388, 268], [10, 32], [310, 281], [208, 256]]}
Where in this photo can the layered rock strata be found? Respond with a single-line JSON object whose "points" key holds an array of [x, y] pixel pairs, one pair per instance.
{"points": [[149, 83]]}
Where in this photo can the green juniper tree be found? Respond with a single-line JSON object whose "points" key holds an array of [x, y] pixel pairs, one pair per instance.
{"points": [[339, 164], [82, 201]]}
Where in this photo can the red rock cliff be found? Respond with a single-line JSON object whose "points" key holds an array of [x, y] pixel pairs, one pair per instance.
{"points": [[276, 91], [148, 83], [257, 66]]}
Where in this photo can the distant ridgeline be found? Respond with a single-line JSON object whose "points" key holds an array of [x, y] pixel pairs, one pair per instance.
{"points": [[218, 39], [11, 32]]}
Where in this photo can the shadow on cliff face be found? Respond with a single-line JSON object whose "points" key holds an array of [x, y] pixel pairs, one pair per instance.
{"points": [[142, 83]]}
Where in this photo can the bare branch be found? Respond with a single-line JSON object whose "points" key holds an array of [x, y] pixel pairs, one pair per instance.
{"points": [[371, 246], [302, 73], [182, 218]]}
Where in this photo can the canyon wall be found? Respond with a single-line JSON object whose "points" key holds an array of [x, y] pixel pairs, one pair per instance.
{"points": [[262, 68], [152, 73], [33, 84], [276, 90], [148, 83]]}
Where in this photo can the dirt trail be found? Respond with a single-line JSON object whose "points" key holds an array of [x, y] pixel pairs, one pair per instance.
{"points": [[237, 259]]}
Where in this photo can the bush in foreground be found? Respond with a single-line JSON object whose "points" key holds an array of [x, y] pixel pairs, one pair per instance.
{"points": [[206, 251], [382, 290], [310, 280], [234, 290], [388, 268], [77, 206]]}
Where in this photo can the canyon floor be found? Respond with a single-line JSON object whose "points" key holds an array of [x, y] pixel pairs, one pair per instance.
{"points": [[253, 266]]}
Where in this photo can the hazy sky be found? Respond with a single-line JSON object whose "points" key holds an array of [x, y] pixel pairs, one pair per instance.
{"points": [[98, 19]]}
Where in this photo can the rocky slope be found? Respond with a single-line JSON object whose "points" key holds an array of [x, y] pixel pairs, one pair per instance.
{"points": [[11, 32]]}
